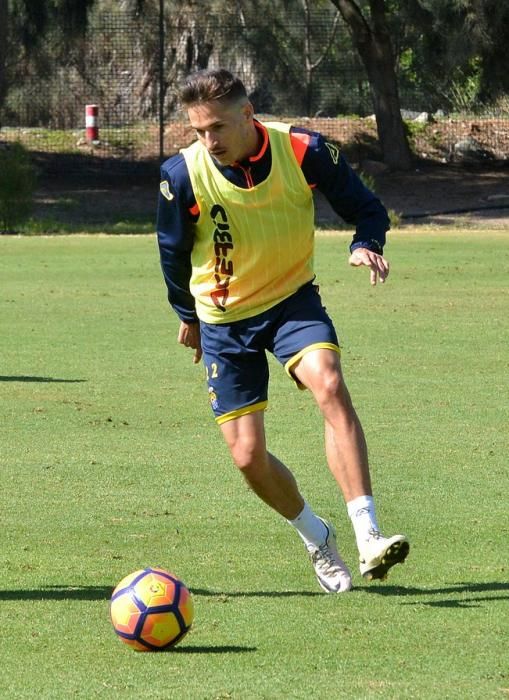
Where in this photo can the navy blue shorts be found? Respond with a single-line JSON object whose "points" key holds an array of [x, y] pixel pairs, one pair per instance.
{"points": [[235, 357]]}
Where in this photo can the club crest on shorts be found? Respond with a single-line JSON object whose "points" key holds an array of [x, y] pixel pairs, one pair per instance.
{"points": [[213, 398]]}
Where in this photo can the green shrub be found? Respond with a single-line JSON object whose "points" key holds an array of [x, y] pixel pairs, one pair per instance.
{"points": [[367, 180], [394, 218], [17, 182]]}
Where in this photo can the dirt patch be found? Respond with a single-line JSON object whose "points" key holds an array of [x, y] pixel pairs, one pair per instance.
{"points": [[437, 193], [435, 189]]}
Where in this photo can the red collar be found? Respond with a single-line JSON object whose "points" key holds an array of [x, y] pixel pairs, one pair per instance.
{"points": [[265, 141], [262, 131]]}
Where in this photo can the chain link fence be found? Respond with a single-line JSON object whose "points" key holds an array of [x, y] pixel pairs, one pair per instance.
{"points": [[300, 69]]}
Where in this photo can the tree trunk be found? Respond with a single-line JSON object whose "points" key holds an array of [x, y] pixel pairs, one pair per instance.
{"points": [[375, 49], [3, 54], [384, 89]]}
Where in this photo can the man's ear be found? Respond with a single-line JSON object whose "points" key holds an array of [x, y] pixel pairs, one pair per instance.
{"points": [[248, 111]]}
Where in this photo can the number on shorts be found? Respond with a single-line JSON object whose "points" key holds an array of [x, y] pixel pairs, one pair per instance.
{"points": [[213, 370]]}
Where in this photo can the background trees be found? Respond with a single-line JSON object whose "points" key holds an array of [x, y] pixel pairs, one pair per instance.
{"points": [[4, 17], [35, 38], [371, 37], [457, 51], [297, 57]]}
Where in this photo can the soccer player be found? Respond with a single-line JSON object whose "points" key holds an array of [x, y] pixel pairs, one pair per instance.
{"points": [[236, 232]]}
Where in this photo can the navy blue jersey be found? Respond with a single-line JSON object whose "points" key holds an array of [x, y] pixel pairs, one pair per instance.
{"points": [[324, 168]]}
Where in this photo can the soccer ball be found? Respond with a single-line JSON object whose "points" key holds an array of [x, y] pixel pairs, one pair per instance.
{"points": [[151, 609]]}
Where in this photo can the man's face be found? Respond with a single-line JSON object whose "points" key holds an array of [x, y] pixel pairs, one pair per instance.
{"points": [[225, 129]]}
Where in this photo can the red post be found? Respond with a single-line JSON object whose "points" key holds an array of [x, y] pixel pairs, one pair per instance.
{"points": [[91, 123]]}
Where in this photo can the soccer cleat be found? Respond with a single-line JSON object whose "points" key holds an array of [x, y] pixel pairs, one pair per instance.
{"points": [[379, 554], [331, 571]]}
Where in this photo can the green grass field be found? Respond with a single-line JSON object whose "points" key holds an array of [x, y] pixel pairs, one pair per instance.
{"points": [[110, 461]]}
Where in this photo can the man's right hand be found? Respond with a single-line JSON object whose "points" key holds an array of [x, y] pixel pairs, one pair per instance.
{"points": [[189, 335]]}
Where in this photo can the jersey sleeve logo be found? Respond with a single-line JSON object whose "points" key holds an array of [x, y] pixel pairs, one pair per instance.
{"points": [[334, 152], [165, 190]]}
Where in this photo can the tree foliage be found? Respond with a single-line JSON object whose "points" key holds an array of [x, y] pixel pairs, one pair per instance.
{"points": [[297, 57], [30, 21], [453, 54]]}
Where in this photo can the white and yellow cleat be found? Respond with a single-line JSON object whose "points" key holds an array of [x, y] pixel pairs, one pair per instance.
{"points": [[331, 571], [378, 554]]}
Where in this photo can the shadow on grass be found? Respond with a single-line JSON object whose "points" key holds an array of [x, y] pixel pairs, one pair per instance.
{"points": [[27, 378], [104, 592], [193, 649], [59, 593], [463, 587], [461, 603], [225, 595]]}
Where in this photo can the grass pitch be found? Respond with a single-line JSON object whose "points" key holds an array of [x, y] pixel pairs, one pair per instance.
{"points": [[110, 461]]}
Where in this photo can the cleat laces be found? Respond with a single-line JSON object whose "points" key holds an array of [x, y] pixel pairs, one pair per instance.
{"points": [[331, 572], [324, 559]]}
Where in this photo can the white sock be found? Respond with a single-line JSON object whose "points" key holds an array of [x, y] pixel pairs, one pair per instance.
{"points": [[309, 526], [362, 514]]}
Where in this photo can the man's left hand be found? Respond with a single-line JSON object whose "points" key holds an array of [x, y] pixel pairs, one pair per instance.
{"points": [[378, 265]]}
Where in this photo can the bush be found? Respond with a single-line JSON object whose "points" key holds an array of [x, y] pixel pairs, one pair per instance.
{"points": [[17, 182], [394, 218]]}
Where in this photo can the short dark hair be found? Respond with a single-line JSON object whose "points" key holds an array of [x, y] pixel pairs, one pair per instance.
{"points": [[211, 85]]}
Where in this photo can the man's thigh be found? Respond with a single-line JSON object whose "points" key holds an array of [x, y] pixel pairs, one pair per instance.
{"points": [[236, 368], [303, 326]]}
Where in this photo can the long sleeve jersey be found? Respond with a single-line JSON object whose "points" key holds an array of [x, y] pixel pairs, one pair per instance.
{"points": [[323, 168]]}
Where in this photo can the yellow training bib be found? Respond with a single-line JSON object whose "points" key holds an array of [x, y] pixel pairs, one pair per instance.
{"points": [[252, 247]]}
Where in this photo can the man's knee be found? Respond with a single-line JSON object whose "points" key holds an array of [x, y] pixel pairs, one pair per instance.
{"points": [[331, 389], [247, 452], [245, 437]]}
